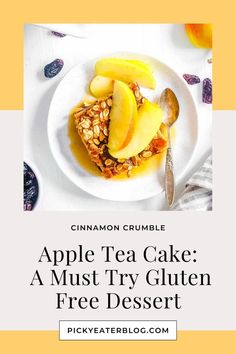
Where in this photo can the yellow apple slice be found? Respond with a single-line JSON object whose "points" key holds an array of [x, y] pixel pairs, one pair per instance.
{"points": [[122, 117], [101, 86], [147, 125], [126, 70]]}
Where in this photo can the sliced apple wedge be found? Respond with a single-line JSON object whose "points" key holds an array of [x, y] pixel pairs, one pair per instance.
{"points": [[101, 86], [123, 116], [126, 70], [148, 122]]}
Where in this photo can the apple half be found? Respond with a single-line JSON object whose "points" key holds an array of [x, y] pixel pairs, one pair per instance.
{"points": [[101, 86], [199, 34]]}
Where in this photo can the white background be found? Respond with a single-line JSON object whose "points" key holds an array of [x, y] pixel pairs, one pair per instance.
{"points": [[168, 43]]}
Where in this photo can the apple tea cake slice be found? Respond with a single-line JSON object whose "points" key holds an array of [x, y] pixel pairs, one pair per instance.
{"points": [[92, 124]]}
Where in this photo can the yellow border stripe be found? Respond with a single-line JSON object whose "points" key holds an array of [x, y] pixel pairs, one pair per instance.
{"points": [[189, 342]]}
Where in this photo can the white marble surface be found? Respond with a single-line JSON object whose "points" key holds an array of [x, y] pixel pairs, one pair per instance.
{"points": [[166, 42]]}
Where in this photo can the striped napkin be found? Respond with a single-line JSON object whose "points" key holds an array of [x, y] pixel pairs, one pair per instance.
{"points": [[198, 191]]}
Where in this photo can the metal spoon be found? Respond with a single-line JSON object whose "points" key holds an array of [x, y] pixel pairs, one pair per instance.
{"points": [[170, 105]]}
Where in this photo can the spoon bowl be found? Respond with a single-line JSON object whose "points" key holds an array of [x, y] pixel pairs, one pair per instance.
{"points": [[170, 106]]}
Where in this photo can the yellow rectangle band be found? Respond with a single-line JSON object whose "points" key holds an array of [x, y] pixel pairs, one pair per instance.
{"points": [[188, 342]]}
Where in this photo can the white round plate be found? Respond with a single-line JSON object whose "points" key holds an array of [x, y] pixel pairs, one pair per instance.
{"points": [[71, 90]]}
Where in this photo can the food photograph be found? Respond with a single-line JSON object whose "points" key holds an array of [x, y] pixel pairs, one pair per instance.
{"points": [[117, 117]]}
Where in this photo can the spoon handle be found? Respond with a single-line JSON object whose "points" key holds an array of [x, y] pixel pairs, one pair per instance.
{"points": [[169, 177]]}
